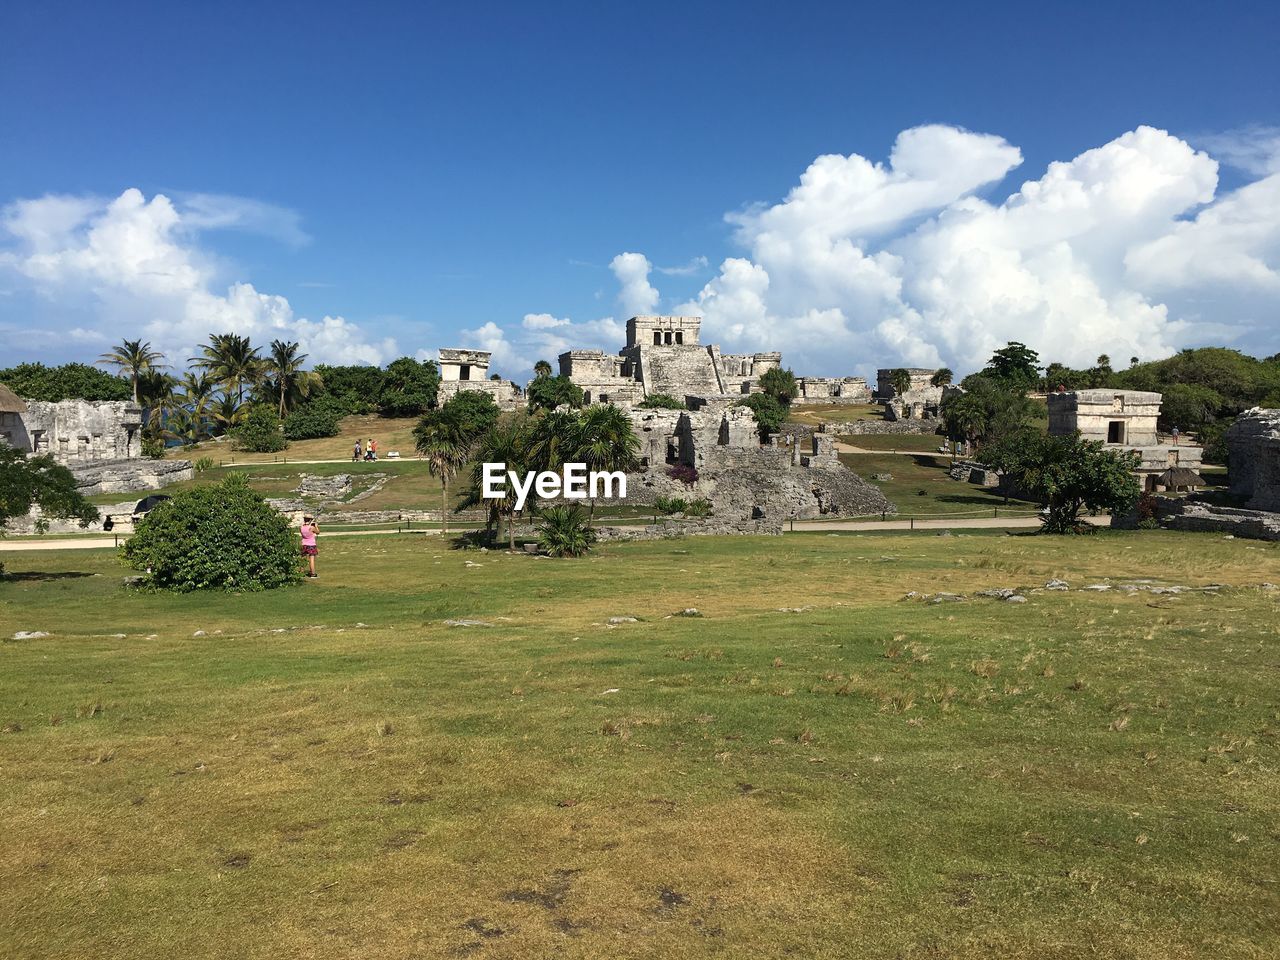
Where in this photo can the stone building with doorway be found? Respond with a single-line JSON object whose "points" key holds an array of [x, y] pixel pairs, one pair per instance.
{"points": [[462, 370], [1127, 420]]}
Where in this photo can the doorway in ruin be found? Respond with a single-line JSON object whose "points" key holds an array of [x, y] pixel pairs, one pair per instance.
{"points": [[1115, 431]]}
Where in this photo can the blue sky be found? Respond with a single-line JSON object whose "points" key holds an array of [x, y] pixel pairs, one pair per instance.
{"points": [[433, 174]]}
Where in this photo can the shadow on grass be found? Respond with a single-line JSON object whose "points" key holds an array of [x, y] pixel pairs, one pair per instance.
{"points": [[35, 576]]}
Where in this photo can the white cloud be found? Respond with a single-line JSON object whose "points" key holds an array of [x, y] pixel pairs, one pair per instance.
{"points": [[694, 266], [220, 211], [866, 265], [133, 267], [541, 336], [637, 295], [1255, 150]]}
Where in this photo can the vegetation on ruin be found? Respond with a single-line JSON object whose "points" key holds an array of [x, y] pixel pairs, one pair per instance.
{"points": [[547, 393], [662, 401], [779, 384], [69, 381], [770, 413], [813, 767]]}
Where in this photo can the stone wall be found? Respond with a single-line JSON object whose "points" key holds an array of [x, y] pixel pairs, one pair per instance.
{"points": [[505, 393], [1254, 457], [974, 472], [1093, 412], [833, 390], [1191, 513], [76, 431], [123, 476], [856, 428]]}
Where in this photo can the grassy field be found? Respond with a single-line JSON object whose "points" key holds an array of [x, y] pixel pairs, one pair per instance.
{"points": [[917, 442], [814, 767], [921, 486], [813, 414], [391, 434]]}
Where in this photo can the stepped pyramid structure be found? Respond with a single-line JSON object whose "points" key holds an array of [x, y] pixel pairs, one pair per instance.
{"points": [[663, 355]]}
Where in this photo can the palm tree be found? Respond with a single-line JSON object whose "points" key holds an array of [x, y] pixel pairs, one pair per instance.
{"points": [[541, 369], [508, 442], [134, 357], [443, 441], [606, 441], [283, 369], [942, 377], [964, 418], [155, 392], [227, 411], [232, 361], [900, 380]]}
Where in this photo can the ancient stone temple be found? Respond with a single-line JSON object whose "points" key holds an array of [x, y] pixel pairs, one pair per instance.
{"points": [[663, 355], [462, 370], [76, 431], [1126, 420], [921, 390]]}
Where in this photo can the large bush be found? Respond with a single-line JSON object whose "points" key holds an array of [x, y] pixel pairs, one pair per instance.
{"points": [[355, 389], [663, 401], [71, 381], [318, 418], [260, 432], [218, 537], [409, 388], [770, 414]]}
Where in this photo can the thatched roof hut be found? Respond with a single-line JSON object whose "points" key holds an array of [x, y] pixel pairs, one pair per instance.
{"points": [[10, 402], [1176, 477]]}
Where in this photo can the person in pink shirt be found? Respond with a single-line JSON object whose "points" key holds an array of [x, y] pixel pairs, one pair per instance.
{"points": [[309, 531]]}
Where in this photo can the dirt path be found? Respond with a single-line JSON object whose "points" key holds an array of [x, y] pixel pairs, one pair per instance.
{"points": [[941, 523]]}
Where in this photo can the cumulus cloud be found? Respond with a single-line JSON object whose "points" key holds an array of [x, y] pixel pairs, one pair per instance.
{"points": [[866, 264], [695, 266], [134, 267], [637, 295], [541, 336]]}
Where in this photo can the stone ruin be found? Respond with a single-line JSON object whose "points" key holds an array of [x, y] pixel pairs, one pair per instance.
{"points": [[100, 441], [468, 370], [747, 483], [1253, 450]]}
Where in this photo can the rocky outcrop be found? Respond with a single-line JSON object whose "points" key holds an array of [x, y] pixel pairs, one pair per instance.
{"points": [[123, 476]]}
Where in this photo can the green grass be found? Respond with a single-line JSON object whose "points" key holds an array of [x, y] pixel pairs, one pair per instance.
{"points": [[917, 442], [331, 770], [921, 487], [813, 414]]}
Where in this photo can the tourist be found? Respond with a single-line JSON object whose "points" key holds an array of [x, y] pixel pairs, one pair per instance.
{"points": [[356, 453], [1175, 434], [371, 450], [309, 550]]}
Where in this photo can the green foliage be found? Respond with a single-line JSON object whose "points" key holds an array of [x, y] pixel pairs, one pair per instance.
{"points": [[216, 537], [662, 401], [1066, 474], [445, 437], [900, 380], [1013, 364], [942, 377], [153, 448], [473, 412], [71, 381], [698, 508], [770, 414], [987, 409], [541, 369], [202, 464], [39, 481], [547, 393], [779, 384], [565, 531], [669, 505], [1240, 380], [410, 388], [259, 432], [1189, 407], [321, 417], [356, 388]]}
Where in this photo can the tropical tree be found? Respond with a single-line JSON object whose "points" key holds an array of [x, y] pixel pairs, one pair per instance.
{"points": [[283, 371], [232, 361], [964, 418], [564, 531], [158, 400], [900, 380], [228, 412], [541, 369], [445, 439], [554, 439], [507, 442], [770, 414], [779, 384], [1067, 474], [942, 377], [547, 393], [606, 441], [132, 358], [1014, 363], [39, 481]]}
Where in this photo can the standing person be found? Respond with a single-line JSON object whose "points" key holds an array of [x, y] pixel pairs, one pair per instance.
{"points": [[372, 447], [309, 531], [356, 453], [1175, 436]]}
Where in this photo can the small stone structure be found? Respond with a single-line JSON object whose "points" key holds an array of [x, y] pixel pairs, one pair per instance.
{"points": [[1253, 451], [974, 472], [920, 391], [462, 370], [833, 390], [123, 476], [1122, 420], [324, 488]]}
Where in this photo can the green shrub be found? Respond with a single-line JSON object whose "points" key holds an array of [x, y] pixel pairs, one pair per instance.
{"points": [[565, 531], [662, 401], [71, 381], [260, 432], [698, 508], [670, 505], [222, 536], [153, 448], [319, 418], [770, 414], [203, 464]]}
